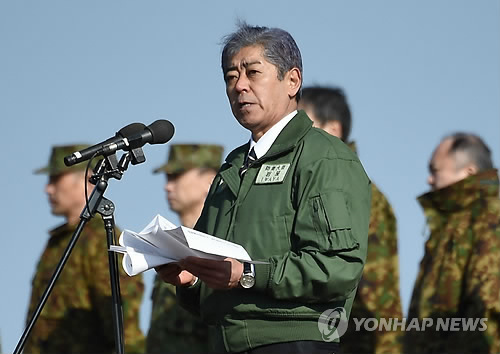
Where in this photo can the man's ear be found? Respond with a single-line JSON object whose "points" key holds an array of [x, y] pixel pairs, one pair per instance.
{"points": [[294, 79], [471, 170]]}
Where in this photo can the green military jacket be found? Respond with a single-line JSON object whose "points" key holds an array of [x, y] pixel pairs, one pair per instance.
{"points": [[459, 274], [304, 208], [378, 290], [77, 317]]}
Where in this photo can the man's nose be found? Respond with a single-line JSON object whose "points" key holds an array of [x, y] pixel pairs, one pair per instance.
{"points": [[430, 180], [242, 84], [49, 188]]}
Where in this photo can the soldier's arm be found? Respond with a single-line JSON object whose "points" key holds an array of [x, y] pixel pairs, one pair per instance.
{"points": [[482, 298], [379, 287]]}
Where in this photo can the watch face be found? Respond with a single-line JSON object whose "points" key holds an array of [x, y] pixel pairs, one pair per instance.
{"points": [[247, 281]]}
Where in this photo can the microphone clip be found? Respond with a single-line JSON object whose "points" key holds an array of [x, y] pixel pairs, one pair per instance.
{"points": [[110, 167]]}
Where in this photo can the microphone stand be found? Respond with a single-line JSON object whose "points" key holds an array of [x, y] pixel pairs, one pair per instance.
{"points": [[105, 169]]}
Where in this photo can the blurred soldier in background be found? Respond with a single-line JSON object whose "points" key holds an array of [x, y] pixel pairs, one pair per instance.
{"points": [[378, 291], [77, 317], [189, 171], [459, 275]]}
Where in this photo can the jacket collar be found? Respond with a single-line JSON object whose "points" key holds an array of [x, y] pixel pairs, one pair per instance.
{"points": [[462, 194], [289, 137], [286, 140]]}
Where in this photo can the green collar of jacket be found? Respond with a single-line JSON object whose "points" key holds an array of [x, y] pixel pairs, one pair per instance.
{"points": [[289, 137], [291, 134], [462, 194]]}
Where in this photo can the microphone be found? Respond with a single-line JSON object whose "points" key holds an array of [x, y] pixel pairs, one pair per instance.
{"points": [[158, 132], [132, 136], [88, 153]]}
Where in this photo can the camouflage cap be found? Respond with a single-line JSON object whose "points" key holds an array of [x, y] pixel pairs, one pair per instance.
{"points": [[56, 162], [183, 157]]}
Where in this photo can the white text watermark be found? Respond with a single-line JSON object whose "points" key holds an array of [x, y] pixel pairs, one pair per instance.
{"points": [[333, 324]]}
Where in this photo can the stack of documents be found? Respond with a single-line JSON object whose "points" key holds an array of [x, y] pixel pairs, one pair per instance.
{"points": [[162, 242]]}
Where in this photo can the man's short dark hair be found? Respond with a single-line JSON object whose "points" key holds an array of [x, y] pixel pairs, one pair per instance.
{"points": [[329, 104], [279, 46], [473, 149]]}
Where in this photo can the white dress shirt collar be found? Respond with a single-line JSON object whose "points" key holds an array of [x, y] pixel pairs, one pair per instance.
{"points": [[262, 146]]}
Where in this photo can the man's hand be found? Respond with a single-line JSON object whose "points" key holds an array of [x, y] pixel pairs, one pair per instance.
{"points": [[223, 274], [173, 274]]}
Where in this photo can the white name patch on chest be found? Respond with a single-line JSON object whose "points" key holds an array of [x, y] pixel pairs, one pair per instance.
{"points": [[272, 173]]}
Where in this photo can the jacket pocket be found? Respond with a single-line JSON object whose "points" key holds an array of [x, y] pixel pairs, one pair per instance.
{"points": [[332, 222]]}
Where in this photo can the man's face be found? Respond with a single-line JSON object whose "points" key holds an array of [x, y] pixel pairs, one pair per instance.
{"points": [[258, 98], [66, 193], [188, 190], [443, 167], [332, 127]]}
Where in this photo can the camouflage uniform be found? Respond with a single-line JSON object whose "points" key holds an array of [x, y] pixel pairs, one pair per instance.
{"points": [[378, 291], [172, 328], [77, 317], [459, 274]]}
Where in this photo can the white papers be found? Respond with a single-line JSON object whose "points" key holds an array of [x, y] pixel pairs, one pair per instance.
{"points": [[161, 242]]}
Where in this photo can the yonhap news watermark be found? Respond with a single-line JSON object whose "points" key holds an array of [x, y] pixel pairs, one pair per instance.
{"points": [[333, 324]]}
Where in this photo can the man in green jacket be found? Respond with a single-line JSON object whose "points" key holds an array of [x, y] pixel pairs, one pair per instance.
{"points": [[296, 198], [77, 317], [457, 288], [378, 291]]}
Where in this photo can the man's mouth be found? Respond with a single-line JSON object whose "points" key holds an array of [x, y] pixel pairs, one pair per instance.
{"points": [[244, 104]]}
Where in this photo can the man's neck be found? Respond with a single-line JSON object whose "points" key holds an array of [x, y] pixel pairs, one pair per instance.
{"points": [[73, 219], [189, 218], [257, 134], [264, 143]]}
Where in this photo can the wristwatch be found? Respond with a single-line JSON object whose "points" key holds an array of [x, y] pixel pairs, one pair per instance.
{"points": [[247, 279]]}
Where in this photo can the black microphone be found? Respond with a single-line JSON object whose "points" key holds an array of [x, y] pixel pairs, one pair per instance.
{"points": [[158, 132], [132, 136], [88, 153]]}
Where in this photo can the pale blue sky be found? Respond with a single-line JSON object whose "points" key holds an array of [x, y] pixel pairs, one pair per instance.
{"points": [[77, 71]]}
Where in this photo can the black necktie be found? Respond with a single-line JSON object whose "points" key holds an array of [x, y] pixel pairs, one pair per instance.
{"points": [[250, 159]]}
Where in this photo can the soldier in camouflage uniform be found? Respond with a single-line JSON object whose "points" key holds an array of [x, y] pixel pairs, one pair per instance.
{"points": [[378, 291], [190, 170], [77, 317], [459, 274]]}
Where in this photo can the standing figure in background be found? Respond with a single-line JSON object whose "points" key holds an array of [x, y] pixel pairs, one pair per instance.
{"points": [[77, 317], [378, 290], [457, 288], [189, 170]]}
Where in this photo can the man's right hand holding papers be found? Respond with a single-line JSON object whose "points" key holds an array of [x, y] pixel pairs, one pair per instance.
{"points": [[161, 243]]}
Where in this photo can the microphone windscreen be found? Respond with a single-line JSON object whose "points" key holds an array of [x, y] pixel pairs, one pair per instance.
{"points": [[131, 129], [162, 131]]}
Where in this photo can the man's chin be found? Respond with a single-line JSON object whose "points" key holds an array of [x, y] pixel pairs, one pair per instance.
{"points": [[247, 122], [56, 212], [174, 207]]}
